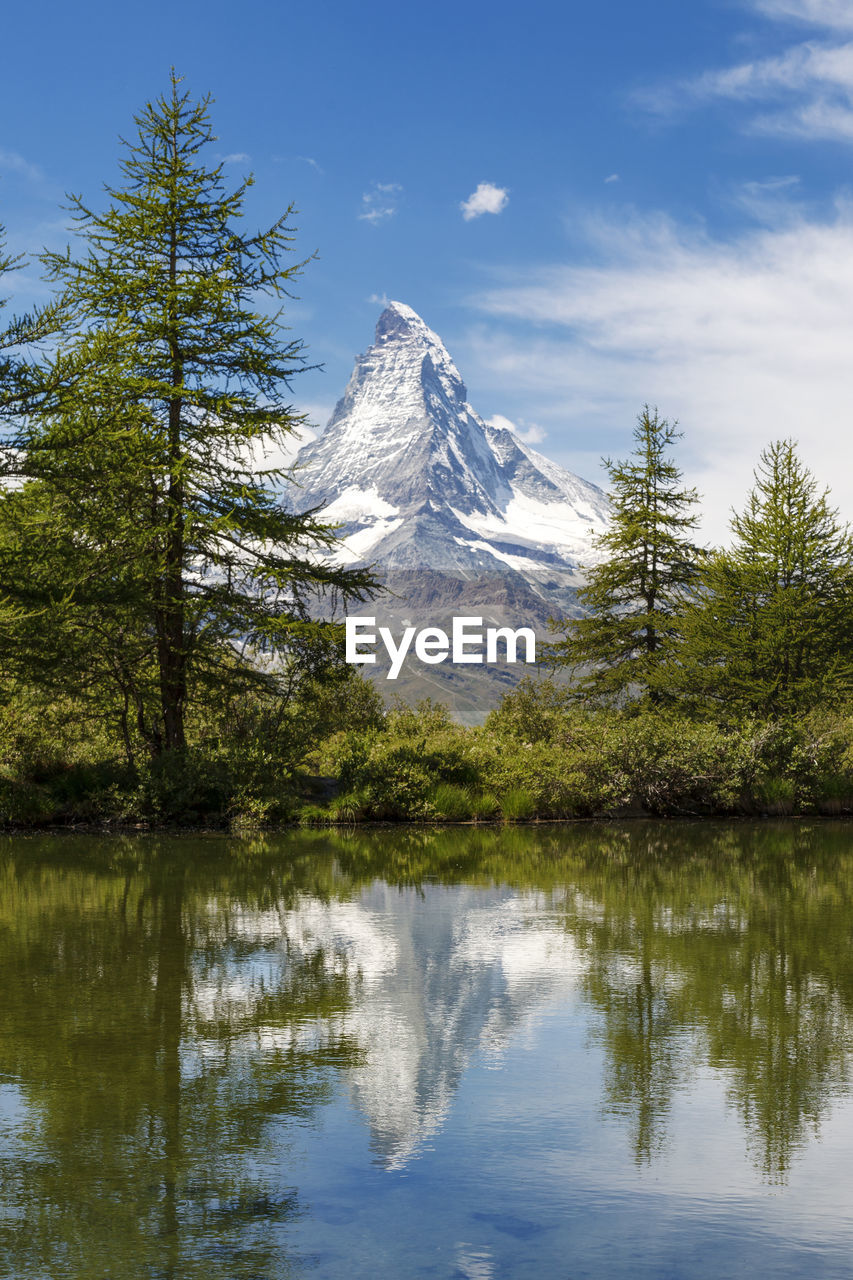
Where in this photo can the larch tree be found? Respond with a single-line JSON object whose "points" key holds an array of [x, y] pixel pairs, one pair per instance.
{"points": [[648, 568], [7, 263], [150, 544], [771, 631]]}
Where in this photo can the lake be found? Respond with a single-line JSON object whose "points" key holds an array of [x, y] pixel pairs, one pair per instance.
{"points": [[590, 1051]]}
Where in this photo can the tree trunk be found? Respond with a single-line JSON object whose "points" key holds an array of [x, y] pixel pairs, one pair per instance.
{"points": [[171, 648]]}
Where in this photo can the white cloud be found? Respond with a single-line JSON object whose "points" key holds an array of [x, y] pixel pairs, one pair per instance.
{"points": [[771, 200], [822, 13], [812, 120], [312, 162], [527, 432], [236, 157], [380, 202], [807, 89], [743, 342], [272, 453], [802, 69], [381, 299], [614, 177], [11, 162], [318, 413], [486, 199]]}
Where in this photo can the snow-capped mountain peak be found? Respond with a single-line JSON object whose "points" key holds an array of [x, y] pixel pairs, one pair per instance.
{"points": [[419, 480]]}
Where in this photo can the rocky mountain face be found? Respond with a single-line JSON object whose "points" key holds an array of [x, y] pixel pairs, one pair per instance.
{"points": [[458, 516]]}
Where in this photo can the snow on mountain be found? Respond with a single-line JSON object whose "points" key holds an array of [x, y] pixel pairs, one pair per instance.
{"points": [[438, 977], [418, 480]]}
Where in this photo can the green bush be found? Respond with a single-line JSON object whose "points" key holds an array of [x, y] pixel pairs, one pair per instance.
{"points": [[313, 815], [451, 801], [24, 804], [540, 754], [484, 805], [677, 766], [563, 781], [185, 788], [534, 711], [396, 770], [517, 805], [346, 809], [777, 796]]}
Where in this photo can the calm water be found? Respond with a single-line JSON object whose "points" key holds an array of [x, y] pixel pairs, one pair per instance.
{"points": [[564, 1052]]}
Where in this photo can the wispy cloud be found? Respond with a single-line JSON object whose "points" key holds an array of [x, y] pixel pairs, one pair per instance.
{"points": [[743, 342], [312, 162], [236, 157], [380, 202], [819, 119], [772, 201], [11, 162], [486, 199], [380, 299], [613, 177], [822, 13], [804, 92], [527, 432], [801, 69]]}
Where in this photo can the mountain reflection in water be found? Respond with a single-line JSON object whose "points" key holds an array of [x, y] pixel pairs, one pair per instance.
{"points": [[181, 1015]]}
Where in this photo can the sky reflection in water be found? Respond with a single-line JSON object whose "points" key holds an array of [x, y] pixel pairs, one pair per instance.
{"points": [[585, 1051]]}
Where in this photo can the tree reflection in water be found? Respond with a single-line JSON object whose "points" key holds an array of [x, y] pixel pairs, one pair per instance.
{"points": [[164, 1028], [148, 1097]]}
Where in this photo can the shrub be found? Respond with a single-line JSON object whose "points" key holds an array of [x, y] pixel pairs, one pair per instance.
{"points": [[534, 711], [563, 781], [346, 809], [397, 769], [484, 805], [24, 804], [184, 787], [834, 794], [777, 796], [451, 801], [673, 765], [517, 805], [313, 815]]}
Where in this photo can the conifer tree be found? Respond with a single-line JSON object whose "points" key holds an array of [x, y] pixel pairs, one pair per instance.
{"points": [[7, 264], [648, 568], [771, 632], [149, 545], [19, 332], [11, 336], [15, 385]]}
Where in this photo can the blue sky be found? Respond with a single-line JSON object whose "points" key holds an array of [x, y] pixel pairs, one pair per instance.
{"points": [[665, 207]]}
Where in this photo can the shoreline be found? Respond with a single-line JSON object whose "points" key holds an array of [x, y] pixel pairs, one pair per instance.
{"points": [[438, 824]]}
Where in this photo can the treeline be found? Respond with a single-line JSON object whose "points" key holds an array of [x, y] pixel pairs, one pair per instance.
{"points": [[334, 755], [161, 655], [761, 629]]}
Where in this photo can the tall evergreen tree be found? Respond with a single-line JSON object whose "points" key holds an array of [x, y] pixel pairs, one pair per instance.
{"points": [[648, 568], [7, 264], [19, 333], [148, 544], [771, 632], [16, 385], [11, 336]]}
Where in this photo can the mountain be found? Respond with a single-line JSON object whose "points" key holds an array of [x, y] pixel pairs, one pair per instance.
{"points": [[458, 516], [419, 480]]}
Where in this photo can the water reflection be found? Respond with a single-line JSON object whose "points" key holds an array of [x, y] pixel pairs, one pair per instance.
{"points": [[135, 1160], [178, 1014], [439, 975]]}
